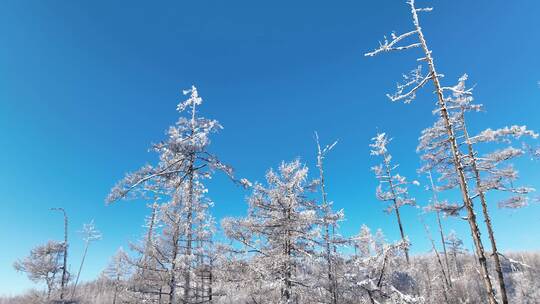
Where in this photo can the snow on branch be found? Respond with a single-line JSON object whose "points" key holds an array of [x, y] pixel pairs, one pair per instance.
{"points": [[514, 202], [501, 135], [413, 82], [449, 209], [388, 46]]}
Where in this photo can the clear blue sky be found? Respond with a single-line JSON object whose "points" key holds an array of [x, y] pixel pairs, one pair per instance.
{"points": [[87, 86]]}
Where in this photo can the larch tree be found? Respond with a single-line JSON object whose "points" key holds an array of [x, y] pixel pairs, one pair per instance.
{"points": [[455, 245], [490, 171], [118, 272], [373, 267], [150, 272], [184, 162], [280, 232], [407, 92], [330, 220], [90, 234], [484, 173], [43, 264], [392, 187]]}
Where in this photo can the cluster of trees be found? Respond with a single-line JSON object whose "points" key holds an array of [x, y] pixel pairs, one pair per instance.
{"points": [[48, 263], [288, 248]]}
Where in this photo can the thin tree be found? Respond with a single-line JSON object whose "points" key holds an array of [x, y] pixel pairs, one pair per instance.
{"points": [[456, 248], [392, 187], [446, 283], [90, 234], [329, 221], [43, 264], [497, 178], [414, 82], [118, 271], [487, 172], [439, 224], [184, 161]]}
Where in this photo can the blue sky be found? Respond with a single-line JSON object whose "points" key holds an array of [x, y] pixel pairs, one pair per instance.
{"points": [[87, 86]]}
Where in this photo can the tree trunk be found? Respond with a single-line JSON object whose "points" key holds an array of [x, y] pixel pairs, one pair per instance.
{"points": [[487, 218], [396, 207], [441, 231], [116, 288], [64, 265], [446, 284], [189, 234], [172, 279], [332, 284], [471, 218], [80, 268]]}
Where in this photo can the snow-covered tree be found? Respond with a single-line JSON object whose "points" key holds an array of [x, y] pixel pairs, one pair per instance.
{"points": [[280, 232], [90, 234], [449, 146], [455, 245], [43, 264], [373, 273], [486, 172], [392, 186], [184, 162], [118, 271], [330, 220]]}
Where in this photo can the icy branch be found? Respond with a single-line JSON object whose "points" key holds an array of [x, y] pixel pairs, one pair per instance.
{"points": [[391, 46], [416, 80]]}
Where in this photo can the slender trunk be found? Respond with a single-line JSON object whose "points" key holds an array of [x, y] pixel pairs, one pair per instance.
{"points": [[175, 239], [210, 282], [383, 268], [189, 235], [370, 296], [487, 218], [327, 238], [396, 207], [446, 283], [287, 294], [441, 231], [456, 262], [116, 289], [401, 231], [428, 273], [80, 268], [149, 241], [471, 218], [444, 248], [331, 280], [189, 219], [64, 266], [49, 289]]}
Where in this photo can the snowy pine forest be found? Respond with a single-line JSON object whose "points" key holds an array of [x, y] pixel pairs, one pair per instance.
{"points": [[288, 247]]}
